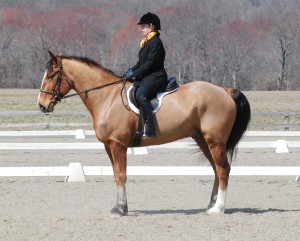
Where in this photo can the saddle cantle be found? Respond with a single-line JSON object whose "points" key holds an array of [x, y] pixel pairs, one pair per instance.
{"points": [[156, 101]]}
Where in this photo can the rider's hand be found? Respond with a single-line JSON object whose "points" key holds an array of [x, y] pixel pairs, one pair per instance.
{"points": [[128, 74]]}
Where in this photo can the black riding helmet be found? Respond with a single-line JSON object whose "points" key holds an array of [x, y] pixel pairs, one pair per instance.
{"points": [[150, 18]]}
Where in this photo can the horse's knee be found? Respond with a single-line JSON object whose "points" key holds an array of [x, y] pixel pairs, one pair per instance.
{"points": [[121, 178], [118, 156]]}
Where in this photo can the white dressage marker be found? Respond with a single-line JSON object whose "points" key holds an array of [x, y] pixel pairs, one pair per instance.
{"points": [[76, 173], [281, 147], [79, 134], [140, 151]]}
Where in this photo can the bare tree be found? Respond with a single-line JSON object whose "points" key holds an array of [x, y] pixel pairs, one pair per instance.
{"points": [[229, 43], [284, 58]]}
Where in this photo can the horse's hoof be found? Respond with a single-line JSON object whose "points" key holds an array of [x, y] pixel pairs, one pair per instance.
{"points": [[215, 211], [119, 211]]}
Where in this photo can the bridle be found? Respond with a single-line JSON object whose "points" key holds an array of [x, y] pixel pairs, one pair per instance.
{"points": [[57, 96], [56, 92]]}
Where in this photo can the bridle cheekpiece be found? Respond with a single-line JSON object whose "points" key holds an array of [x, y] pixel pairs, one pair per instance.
{"points": [[56, 93]]}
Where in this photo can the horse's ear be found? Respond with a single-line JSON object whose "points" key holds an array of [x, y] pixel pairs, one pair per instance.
{"points": [[53, 57], [60, 54]]}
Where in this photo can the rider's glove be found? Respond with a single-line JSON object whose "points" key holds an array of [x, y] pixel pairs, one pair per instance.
{"points": [[128, 74]]}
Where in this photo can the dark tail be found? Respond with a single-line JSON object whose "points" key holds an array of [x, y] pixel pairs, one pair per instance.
{"points": [[243, 116]]}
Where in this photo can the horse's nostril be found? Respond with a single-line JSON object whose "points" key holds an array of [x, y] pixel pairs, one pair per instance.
{"points": [[42, 108]]}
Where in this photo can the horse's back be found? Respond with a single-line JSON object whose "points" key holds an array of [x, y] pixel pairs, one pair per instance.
{"points": [[204, 96], [197, 106]]}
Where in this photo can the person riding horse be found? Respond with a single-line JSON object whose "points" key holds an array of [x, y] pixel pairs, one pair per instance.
{"points": [[149, 73], [216, 118]]}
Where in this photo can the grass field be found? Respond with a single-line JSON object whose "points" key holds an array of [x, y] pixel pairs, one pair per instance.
{"points": [[26, 100]]}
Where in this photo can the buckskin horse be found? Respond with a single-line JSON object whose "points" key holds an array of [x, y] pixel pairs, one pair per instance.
{"points": [[214, 117]]}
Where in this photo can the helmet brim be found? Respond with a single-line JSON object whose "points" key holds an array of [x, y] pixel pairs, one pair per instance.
{"points": [[140, 23]]}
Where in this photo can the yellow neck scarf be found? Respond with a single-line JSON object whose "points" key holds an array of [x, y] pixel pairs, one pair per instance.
{"points": [[147, 38]]}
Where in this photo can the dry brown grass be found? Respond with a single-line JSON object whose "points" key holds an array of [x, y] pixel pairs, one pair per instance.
{"points": [[26, 100], [274, 101]]}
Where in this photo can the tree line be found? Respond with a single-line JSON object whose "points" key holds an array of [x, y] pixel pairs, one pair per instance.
{"points": [[245, 44]]}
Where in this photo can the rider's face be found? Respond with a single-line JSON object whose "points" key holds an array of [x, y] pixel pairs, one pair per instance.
{"points": [[145, 29]]}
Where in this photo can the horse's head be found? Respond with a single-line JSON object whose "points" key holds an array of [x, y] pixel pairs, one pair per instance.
{"points": [[55, 85]]}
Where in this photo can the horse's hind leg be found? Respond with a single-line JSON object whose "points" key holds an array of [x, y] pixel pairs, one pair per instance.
{"points": [[118, 156], [222, 170], [215, 152]]}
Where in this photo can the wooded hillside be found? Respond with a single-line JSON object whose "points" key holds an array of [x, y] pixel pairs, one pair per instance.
{"points": [[246, 44]]}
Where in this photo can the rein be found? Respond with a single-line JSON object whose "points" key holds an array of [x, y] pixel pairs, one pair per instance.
{"points": [[95, 88], [58, 97]]}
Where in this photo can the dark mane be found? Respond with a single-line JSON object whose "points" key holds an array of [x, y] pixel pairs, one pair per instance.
{"points": [[88, 62]]}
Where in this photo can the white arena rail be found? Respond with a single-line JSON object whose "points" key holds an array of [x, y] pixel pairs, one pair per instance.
{"points": [[75, 171], [280, 146], [82, 133]]}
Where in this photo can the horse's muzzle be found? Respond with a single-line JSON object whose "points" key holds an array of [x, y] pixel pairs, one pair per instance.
{"points": [[47, 109], [42, 108]]}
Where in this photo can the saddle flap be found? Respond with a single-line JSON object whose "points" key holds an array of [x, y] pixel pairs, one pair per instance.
{"points": [[172, 84], [131, 96], [155, 102]]}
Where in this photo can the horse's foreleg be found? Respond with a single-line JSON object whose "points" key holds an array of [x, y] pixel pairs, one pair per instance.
{"points": [[118, 155], [222, 170]]}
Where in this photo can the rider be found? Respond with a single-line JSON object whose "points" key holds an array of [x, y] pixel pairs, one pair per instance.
{"points": [[149, 73]]}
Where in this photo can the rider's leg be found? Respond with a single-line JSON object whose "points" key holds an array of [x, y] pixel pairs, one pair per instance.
{"points": [[143, 95]]}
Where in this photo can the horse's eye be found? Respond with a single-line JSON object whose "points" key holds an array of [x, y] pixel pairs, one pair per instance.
{"points": [[51, 76]]}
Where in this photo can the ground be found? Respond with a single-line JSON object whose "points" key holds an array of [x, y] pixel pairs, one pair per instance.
{"points": [[160, 207]]}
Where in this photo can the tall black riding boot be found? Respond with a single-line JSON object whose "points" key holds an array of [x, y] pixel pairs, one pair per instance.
{"points": [[146, 111]]}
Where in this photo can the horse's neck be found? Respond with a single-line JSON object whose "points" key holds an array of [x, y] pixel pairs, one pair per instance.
{"points": [[85, 78]]}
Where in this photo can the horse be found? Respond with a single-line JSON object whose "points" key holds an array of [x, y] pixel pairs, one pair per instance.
{"points": [[214, 117]]}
